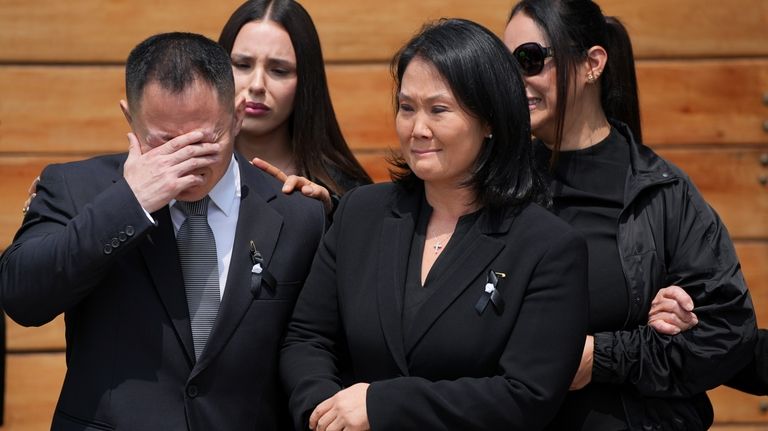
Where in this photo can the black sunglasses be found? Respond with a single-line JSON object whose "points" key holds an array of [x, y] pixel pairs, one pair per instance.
{"points": [[530, 56]]}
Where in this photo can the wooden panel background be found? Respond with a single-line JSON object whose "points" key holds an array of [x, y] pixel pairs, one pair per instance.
{"points": [[702, 71]]}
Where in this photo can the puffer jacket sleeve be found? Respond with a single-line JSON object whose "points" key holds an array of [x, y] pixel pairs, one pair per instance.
{"points": [[753, 379], [696, 253]]}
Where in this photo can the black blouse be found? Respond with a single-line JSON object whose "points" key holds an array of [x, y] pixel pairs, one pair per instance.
{"points": [[588, 192], [414, 294]]}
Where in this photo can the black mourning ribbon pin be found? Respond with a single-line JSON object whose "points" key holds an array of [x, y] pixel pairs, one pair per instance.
{"points": [[490, 294], [259, 273]]}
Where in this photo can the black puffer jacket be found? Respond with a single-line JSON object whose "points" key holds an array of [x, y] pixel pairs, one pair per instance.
{"points": [[753, 379], [668, 234]]}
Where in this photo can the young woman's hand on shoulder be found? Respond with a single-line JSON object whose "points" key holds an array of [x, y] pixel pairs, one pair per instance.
{"points": [[296, 182]]}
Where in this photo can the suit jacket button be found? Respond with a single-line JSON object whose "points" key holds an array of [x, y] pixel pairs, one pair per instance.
{"points": [[122, 236], [129, 230], [192, 391], [115, 243], [107, 249]]}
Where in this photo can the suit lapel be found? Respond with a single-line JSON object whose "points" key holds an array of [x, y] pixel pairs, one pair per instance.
{"points": [[478, 252], [256, 222], [161, 256], [393, 263]]}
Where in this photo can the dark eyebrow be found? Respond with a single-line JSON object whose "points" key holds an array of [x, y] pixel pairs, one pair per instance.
{"points": [[429, 99], [270, 60], [240, 57], [280, 62]]}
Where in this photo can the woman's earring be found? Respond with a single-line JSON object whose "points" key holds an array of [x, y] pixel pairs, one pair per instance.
{"points": [[590, 77], [489, 137]]}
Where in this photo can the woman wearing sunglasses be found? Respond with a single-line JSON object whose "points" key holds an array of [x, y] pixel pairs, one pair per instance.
{"points": [[646, 226]]}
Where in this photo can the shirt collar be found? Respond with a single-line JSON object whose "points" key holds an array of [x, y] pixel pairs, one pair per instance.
{"points": [[227, 189]]}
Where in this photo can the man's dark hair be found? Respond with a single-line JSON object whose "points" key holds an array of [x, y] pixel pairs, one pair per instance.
{"points": [[175, 61]]}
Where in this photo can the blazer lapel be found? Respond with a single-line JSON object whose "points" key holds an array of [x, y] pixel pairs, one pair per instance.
{"points": [[256, 222], [161, 256], [393, 263], [479, 250]]}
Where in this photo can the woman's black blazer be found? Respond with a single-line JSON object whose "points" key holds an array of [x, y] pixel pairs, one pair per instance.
{"points": [[463, 367]]}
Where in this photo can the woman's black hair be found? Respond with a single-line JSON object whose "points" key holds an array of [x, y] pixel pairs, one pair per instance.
{"points": [[484, 78], [319, 148], [573, 27]]}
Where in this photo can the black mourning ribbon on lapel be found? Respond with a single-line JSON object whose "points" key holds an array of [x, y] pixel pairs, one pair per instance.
{"points": [[490, 294], [259, 273]]}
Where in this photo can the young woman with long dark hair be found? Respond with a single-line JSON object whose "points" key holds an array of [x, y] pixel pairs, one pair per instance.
{"points": [[646, 226]]}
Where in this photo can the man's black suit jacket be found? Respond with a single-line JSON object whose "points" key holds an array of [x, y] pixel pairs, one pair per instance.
{"points": [[458, 367], [87, 249]]}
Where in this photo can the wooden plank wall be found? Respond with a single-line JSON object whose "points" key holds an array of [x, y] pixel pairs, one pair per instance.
{"points": [[702, 70]]}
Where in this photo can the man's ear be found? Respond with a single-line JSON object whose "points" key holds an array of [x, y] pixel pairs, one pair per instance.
{"points": [[239, 114], [126, 112]]}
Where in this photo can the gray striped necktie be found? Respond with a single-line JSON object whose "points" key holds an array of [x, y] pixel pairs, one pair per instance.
{"points": [[197, 251]]}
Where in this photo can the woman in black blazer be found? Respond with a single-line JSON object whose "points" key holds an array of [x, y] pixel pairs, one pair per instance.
{"points": [[449, 299]]}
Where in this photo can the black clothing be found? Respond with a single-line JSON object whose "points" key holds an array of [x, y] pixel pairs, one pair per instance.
{"points": [[2, 367], [344, 181], [87, 249], [753, 379], [588, 191], [415, 294], [459, 368], [667, 234]]}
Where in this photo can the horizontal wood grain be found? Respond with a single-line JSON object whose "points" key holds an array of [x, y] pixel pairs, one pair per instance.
{"points": [[739, 426], [17, 173], [376, 163], [705, 101], [681, 102], [33, 382], [78, 111], [729, 181], [106, 30], [99, 30], [362, 97], [691, 28], [731, 406], [753, 256], [47, 338]]}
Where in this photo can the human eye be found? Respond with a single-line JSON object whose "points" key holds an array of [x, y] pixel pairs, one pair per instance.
{"points": [[280, 71], [405, 107], [439, 109], [241, 64]]}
